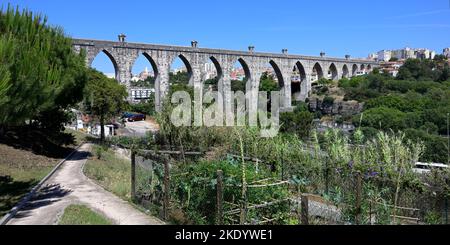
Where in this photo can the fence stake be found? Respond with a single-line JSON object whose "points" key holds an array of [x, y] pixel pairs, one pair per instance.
{"points": [[326, 177], [166, 189], [243, 216], [358, 198], [133, 175], [219, 206], [446, 210], [304, 212]]}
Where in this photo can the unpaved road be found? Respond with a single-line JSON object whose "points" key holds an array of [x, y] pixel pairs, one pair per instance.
{"points": [[70, 186], [139, 128]]}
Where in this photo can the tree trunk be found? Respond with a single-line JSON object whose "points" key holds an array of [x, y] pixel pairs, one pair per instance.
{"points": [[102, 129]]}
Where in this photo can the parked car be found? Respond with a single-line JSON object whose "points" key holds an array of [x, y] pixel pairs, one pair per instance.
{"points": [[127, 115], [422, 167], [137, 117]]}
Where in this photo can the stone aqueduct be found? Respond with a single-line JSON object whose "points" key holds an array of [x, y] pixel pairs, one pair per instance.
{"points": [[124, 54]]}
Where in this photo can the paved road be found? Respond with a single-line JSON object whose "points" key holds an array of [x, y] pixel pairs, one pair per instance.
{"points": [[70, 186]]}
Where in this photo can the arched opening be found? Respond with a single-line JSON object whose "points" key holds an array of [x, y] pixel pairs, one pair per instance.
{"points": [[180, 75], [240, 74], [363, 69], [143, 76], [297, 79], [271, 80], [345, 72], [104, 62], [369, 68], [354, 70], [212, 73], [332, 72], [317, 73]]}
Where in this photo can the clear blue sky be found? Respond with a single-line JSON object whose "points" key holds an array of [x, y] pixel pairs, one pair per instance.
{"points": [[354, 27]]}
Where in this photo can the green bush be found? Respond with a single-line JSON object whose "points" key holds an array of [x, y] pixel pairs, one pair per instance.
{"points": [[297, 122], [382, 118], [145, 107], [328, 101]]}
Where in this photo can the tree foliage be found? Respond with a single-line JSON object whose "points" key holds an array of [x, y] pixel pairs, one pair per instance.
{"points": [[40, 74], [416, 102], [267, 83], [104, 98]]}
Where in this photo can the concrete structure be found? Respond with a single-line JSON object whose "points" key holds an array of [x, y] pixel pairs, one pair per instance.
{"points": [[124, 54], [446, 53], [406, 53], [391, 67], [140, 94], [384, 55], [373, 56]]}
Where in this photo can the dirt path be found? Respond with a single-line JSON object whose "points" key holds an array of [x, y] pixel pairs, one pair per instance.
{"points": [[70, 186]]}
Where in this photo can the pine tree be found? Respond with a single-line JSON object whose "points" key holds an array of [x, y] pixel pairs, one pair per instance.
{"points": [[39, 71]]}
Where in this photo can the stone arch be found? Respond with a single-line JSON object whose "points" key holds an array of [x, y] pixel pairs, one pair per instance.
{"points": [[354, 69], [345, 71], [297, 81], [317, 71], [278, 73], [111, 58], [248, 74], [152, 63], [211, 82], [187, 64], [332, 72], [218, 67], [362, 68], [369, 67], [137, 93]]}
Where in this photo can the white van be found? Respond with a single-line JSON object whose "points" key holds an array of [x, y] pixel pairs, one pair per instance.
{"points": [[422, 167]]}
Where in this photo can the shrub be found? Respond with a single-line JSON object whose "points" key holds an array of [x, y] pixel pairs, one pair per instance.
{"points": [[297, 122], [328, 101], [382, 118]]}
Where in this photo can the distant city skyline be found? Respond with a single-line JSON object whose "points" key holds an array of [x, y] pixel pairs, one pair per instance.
{"points": [[303, 27]]}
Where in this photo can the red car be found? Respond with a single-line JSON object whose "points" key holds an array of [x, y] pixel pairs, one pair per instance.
{"points": [[136, 117]]}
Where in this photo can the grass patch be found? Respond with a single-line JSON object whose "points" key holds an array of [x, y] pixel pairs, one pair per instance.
{"points": [[26, 158], [23, 165], [110, 172], [82, 215], [20, 171], [79, 137], [113, 173]]}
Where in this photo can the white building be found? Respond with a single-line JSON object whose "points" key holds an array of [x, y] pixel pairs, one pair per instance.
{"points": [[110, 75], [143, 75], [373, 56], [406, 53], [384, 55], [141, 94], [446, 53], [210, 71]]}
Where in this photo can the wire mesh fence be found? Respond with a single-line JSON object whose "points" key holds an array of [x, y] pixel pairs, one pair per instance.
{"points": [[173, 185]]}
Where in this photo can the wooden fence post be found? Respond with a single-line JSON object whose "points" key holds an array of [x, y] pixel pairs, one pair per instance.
{"points": [[219, 206], [358, 198], [244, 201], [133, 175], [304, 212], [327, 177], [166, 188]]}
